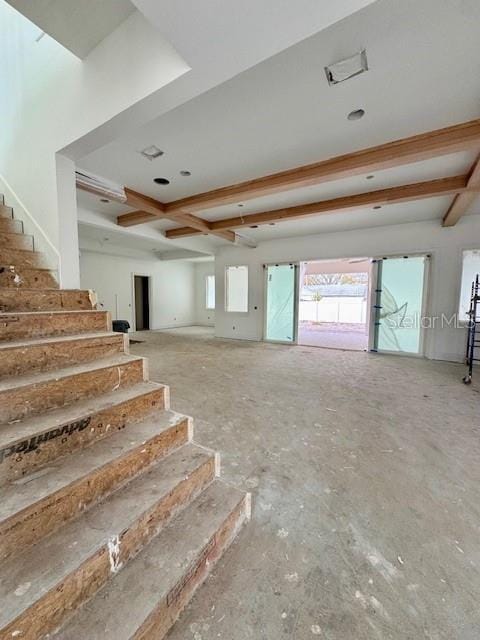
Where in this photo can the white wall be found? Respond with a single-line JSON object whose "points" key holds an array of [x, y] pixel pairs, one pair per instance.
{"points": [[203, 316], [444, 245], [172, 287], [50, 98]]}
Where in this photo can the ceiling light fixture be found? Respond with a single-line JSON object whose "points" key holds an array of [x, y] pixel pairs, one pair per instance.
{"points": [[161, 181], [185, 173], [347, 68], [356, 114], [151, 152]]}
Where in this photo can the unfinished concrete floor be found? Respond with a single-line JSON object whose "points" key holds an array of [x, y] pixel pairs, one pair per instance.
{"points": [[365, 473]]}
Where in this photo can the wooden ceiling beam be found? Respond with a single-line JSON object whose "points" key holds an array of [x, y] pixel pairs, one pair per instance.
{"points": [[151, 209], [381, 197], [463, 201], [392, 154]]}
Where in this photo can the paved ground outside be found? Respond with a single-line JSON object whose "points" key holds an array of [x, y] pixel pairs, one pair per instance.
{"points": [[333, 335]]}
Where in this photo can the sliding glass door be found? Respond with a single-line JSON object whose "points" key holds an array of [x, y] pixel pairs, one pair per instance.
{"points": [[399, 305], [281, 303]]}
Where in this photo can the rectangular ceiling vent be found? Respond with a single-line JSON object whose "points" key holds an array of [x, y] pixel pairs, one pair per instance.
{"points": [[348, 68], [151, 152]]}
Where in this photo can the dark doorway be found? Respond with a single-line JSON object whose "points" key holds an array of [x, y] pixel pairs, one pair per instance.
{"points": [[142, 303]]}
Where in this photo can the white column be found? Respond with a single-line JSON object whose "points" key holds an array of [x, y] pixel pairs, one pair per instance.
{"points": [[69, 268]]}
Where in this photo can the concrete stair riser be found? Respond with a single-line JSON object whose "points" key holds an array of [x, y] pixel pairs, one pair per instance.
{"points": [[54, 607], [16, 300], [16, 241], [48, 514], [24, 455], [40, 396], [22, 358], [20, 258], [25, 278], [38, 324]]}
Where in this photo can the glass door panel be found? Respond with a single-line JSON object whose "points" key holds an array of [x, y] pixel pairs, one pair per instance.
{"points": [[399, 304], [281, 304]]}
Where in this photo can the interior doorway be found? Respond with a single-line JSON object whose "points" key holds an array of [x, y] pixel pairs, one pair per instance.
{"points": [[141, 297], [334, 306]]}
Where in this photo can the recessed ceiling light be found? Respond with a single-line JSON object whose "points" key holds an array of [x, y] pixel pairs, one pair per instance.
{"points": [[377, 206], [254, 226], [185, 173], [104, 200], [152, 152], [356, 115], [161, 181], [370, 177]]}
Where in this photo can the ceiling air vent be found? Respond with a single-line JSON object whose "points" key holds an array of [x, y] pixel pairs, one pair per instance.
{"points": [[151, 152], [346, 69]]}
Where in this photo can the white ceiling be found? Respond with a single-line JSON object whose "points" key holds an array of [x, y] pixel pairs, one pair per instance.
{"points": [[424, 60], [78, 26]]}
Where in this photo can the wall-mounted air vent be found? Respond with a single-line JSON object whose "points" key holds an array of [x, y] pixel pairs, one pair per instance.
{"points": [[101, 186], [346, 69]]}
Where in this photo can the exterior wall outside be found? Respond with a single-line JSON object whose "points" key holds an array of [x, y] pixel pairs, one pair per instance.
{"points": [[345, 310], [445, 245]]}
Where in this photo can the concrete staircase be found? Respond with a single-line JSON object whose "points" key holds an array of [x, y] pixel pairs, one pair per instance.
{"points": [[110, 515]]}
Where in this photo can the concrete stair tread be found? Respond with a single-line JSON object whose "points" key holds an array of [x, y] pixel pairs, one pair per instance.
{"points": [[49, 562], [28, 342], [37, 424], [56, 374], [119, 609], [22, 494]]}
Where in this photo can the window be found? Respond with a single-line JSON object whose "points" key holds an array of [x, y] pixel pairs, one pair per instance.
{"points": [[470, 268], [210, 292], [236, 286]]}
